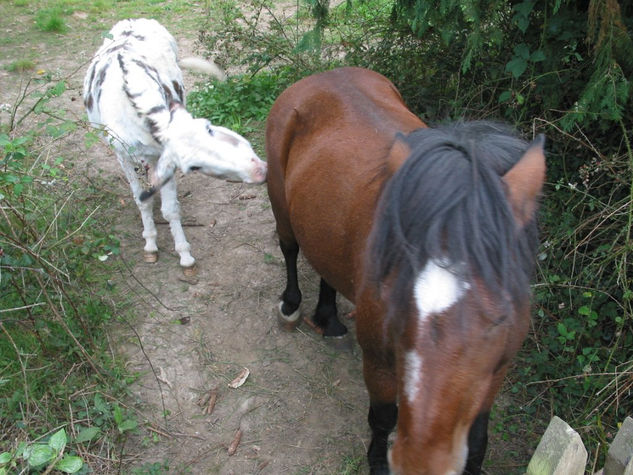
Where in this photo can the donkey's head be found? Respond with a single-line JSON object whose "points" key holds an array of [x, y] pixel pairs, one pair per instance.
{"points": [[196, 145]]}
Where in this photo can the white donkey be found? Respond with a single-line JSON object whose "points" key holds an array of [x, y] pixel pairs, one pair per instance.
{"points": [[134, 90]]}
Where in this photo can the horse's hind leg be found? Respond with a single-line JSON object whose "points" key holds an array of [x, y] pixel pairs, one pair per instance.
{"points": [[325, 316], [289, 311]]}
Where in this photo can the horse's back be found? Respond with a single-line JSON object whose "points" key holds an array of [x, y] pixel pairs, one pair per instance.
{"points": [[328, 139]]}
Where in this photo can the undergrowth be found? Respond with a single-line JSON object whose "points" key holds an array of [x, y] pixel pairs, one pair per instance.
{"points": [[59, 380]]}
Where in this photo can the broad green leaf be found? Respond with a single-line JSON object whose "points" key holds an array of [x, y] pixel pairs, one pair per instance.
{"points": [[69, 464], [537, 56], [118, 414], [5, 457], [41, 454], [516, 67], [522, 51], [57, 90], [126, 425], [505, 96], [87, 434], [58, 441], [100, 404], [584, 310]]}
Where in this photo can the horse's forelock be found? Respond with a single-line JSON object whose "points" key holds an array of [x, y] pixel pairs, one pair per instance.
{"points": [[447, 203]]}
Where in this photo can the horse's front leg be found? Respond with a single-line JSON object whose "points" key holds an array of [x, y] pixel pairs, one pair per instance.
{"points": [[382, 419], [379, 373], [477, 442]]}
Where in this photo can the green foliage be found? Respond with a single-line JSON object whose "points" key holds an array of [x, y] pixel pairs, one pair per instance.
{"points": [[54, 235], [238, 101], [258, 37], [49, 455]]}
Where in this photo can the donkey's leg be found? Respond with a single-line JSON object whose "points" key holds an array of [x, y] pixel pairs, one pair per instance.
{"points": [[325, 316], [289, 311], [477, 442], [146, 209], [171, 212]]}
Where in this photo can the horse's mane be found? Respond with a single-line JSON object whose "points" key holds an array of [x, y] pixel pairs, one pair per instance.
{"points": [[447, 202]]}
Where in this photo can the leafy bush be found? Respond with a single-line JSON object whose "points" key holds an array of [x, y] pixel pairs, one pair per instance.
{"points": [[54, 358], [239, 101]]}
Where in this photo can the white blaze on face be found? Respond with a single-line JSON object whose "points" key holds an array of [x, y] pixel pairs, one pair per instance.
{"points": [[436, 289], [413, 370]]}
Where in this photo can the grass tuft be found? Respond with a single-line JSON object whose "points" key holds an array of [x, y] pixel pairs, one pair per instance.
{"points": [[51, 20]]}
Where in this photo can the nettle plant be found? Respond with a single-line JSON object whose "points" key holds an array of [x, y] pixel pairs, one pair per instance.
{"points": [[45, 455], [54, 237]]}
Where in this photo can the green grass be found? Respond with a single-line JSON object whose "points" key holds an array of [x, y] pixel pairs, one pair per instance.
{"points": [[51, 20], [54, 21]]}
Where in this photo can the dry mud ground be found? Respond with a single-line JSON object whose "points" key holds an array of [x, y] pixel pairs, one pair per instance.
{"points": [[303, 408]]}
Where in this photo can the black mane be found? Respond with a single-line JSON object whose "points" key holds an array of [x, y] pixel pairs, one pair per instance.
{"points": [[447, 202]]}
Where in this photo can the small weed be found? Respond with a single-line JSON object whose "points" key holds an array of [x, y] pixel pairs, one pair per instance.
{"points": [[351, 464], [156, 468], [20, 66]]}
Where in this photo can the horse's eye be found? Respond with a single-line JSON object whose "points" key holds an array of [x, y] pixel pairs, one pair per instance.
{"points": [[193, 169], [210, 130]]}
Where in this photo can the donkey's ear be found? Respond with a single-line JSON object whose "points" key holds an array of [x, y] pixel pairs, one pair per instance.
{"points": [[525, 180], [399, 152]]}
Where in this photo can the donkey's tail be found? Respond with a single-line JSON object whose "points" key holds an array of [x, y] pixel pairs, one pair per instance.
{"points": [[203, 66]]}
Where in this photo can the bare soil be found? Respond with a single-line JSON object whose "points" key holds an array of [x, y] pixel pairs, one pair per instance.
{"points": [[303, 408]]}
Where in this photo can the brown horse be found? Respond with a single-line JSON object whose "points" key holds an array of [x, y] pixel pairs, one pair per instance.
{"points": [[430, 232]]}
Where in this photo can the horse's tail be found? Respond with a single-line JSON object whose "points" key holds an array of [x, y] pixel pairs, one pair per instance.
{"points": [[199, 65]]}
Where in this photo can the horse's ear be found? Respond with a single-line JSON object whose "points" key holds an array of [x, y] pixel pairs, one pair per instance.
{"points": [[525, 181], [398, 153]]}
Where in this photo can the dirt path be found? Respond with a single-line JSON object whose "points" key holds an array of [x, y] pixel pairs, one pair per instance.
{"points": [[303, 408]]}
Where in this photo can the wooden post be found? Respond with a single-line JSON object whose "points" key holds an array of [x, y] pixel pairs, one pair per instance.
{"points": [[560, 452]]}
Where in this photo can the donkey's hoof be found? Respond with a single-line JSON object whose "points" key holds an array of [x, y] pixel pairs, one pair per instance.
{"points": [[190, 271], [150, 257], [288, 322]]}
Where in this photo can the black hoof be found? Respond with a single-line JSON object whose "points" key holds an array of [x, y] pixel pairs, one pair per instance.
{"points": [[379, 468], [334, 329]]}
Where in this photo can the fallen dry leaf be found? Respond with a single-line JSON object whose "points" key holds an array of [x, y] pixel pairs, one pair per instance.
{"points": [[235, 442], [211, 403], [240, 379]]}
